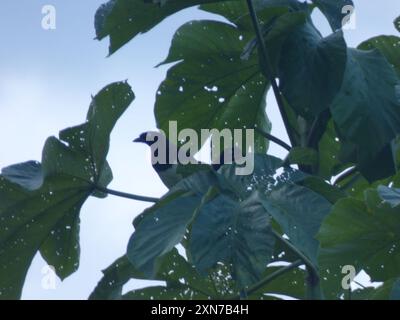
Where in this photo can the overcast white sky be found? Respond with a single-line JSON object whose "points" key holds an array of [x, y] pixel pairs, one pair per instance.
{"points": [[46, 80]]}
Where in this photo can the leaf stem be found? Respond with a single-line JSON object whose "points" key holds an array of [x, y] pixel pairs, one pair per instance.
{"points": [[275, 88], [300, 254], [345, 175], [268, 279], [272, 138], [273, 276], [126, 195], [313, 287]]}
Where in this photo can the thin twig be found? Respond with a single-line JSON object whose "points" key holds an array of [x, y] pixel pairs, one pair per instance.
{"points": [[272, 138], [126, 195], [306, 260], [273, 276], [278, 97], [269, 278]]}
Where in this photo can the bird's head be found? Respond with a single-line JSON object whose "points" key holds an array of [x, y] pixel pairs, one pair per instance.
{"points": [[149, 137]]}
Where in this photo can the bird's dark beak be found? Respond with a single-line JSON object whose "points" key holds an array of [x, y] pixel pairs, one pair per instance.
{"points": [[137, 140]]}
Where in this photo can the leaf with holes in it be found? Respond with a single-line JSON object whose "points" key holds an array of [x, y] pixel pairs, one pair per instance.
{"points": [[122, 20], [159, 229], [238, 13], [367, 110], [237, 234], [211, 87], [174, 269], [389, 46], [299, 212], [27, 219], [336, 11], [363, 234], [45, 216]]}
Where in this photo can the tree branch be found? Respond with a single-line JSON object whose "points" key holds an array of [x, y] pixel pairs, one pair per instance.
{"points": [[278, 97], [272, 138], [126, 195]]}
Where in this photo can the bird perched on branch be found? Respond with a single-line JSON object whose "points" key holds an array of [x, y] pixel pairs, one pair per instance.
{"points": [[165, 160], [167, 163]]}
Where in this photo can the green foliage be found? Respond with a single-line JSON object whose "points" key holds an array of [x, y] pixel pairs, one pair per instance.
{"points": [[363, 233], [369, 81], [306, 60], [236, 234], [215, 234], [122, 20], [40, 203], [221, 89], [389, 46]]}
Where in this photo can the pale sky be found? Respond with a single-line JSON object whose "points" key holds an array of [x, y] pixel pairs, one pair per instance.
{"points": [[46, 81]]}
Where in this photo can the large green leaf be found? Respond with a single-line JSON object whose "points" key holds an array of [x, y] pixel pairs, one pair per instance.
{"points": [[363, 234], [333, 10], [122, 20], [237, 12], [236, 234], [389, 46], [46, 217], [299, 212], [159, 230], [277, 32], [306, 59], [262, 178], [367, 111], [26, 221], [211, 87]]}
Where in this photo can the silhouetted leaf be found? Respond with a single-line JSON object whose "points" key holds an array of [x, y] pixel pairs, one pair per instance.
{"points": [[235, 234], [46, 217]]}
